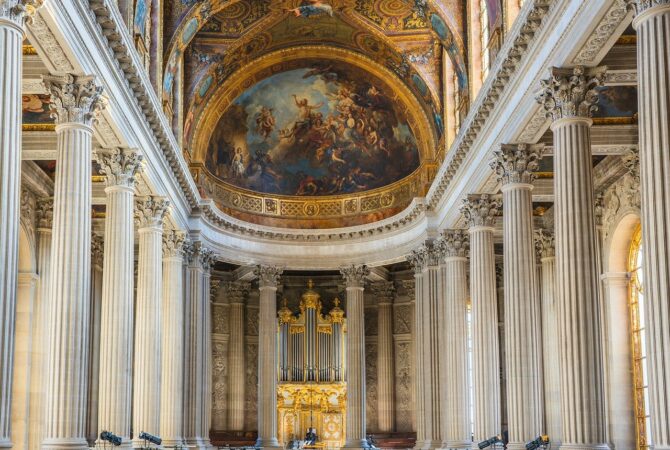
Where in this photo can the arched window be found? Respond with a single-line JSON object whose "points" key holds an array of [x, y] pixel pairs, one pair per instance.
{"points": [[485, 36], [638, 334]]}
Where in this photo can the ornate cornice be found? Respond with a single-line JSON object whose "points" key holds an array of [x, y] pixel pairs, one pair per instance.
{"points": [[455, 243], [516, 163], [150, 211], [74, 99], [481, 210], [571, 92], [119, 165], [268, 276], [602, 33], [173, 244], [97, 249], [19, 11], [544, 244], [45, 212], [640, 6], [354, 276]]}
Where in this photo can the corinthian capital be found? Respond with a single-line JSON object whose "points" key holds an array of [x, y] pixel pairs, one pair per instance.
{"points": [[640, 6], [173, 244], [544, 244], [455, 243], [150, 210], [18, 11], [268, 276], [97, 249], [571, 92], [74, 99], [481, 210], [516, 163], [354, 276], [429, 254], [45, 212], [119, 165], [199, 255]]}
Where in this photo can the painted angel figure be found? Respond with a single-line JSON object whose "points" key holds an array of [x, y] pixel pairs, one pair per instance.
{"points": [[311, 8], [265, 122]]}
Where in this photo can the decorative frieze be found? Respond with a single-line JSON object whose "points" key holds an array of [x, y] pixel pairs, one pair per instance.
{"points": [[74, 99], [120, 166], [571, 92], [481, 210], [516, 163]]}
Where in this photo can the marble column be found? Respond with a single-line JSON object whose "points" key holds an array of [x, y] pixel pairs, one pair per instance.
{"points": [[237, 292], [454, 342], [149, 214], [515, 166], [354, 276], [544, 246], [116, 316], [383, 291], [12, 15], [480, 212], [268, 277], [172, 356], [430, 298], [569, 97], [75, 101], [97, 257], [652, 23], [44, 217], [198, 350]]}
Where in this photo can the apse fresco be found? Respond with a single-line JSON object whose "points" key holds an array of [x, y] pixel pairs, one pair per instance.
{"points": [[326, 129], [616, 101]]}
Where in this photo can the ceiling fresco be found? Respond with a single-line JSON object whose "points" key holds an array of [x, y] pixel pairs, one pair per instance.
{"points": [[323, 129]]}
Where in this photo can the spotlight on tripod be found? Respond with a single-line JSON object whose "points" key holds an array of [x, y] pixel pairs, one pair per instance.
{"points": [[151, 438], [490, 441], [538, 442], [111, 438]]}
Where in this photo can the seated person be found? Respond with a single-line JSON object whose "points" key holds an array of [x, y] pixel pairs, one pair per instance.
{"points": [[310, 437]]}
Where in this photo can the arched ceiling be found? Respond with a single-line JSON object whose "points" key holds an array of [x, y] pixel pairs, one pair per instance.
{"points": [[217, 47]]}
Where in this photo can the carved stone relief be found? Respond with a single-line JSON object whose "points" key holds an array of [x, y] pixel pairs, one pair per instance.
{"points": [[371, 386], [252, 322], [402, 319], [219, 384], [403, 386], [370, 321], [220, 319], [251, 387]]}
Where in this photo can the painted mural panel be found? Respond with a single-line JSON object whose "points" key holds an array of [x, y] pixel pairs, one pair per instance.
{"points": [[36, 109], [323, 129], [616, 101]]}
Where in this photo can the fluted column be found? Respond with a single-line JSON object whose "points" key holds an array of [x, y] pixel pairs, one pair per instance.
{"points": [[198, 355], [430, 297], [354, 276], [652, 23], [75, 100], [12, 15], [480, 211], [237, 292], [149, 213], [569, 97], [268, 277], [116, 316], [172, 344], [544, 246], [454, 342], [97, 251], [383, 291], [515, 166]]}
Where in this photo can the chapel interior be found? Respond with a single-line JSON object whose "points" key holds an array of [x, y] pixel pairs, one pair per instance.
{"points": [[324, 224]]}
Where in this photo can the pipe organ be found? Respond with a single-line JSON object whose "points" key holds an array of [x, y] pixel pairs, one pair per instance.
{"points": [[311, 392]]}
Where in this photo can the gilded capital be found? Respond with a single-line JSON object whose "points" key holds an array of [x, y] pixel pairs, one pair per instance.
{"points": [[173, 244], [455, 243], [544, 244], [640, 6], [354, 276], [481, 210], [120, 166], [74, 99], [268, 276], [571, 92], [19, 11], [45, 212], [516, 163], [150, 210]]}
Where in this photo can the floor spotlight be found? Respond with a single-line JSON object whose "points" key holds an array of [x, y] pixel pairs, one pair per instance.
{"points": [[111, 438], [151, 438], [538, 442], [490, 441]]}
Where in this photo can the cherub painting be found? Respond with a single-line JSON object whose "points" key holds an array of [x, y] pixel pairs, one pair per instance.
{"points": [[310, 8]]}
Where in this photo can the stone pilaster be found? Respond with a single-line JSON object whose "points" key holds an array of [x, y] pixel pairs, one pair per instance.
{"points": [[652, 23], [268, 277], [569, 97], [383, 291], [172, 355], [12, 16], [480, 212], [198, 352], [454, 342], [75, 101], [149, 213], [354, 276], [237, 293], [515, 166], [116, 316], [97, 257], [544, 246]]}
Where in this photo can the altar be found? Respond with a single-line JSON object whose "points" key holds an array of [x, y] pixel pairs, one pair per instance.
{"points": [[311, 392]]}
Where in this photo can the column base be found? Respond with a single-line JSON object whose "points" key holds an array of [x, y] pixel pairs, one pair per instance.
{"points": [[104, 445], [64, 444], [428, 444], [268, 443], [358, 444], [6, 443], [172, 443], [565, 446], [141, 443], [199, 443], [456, 445]]}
